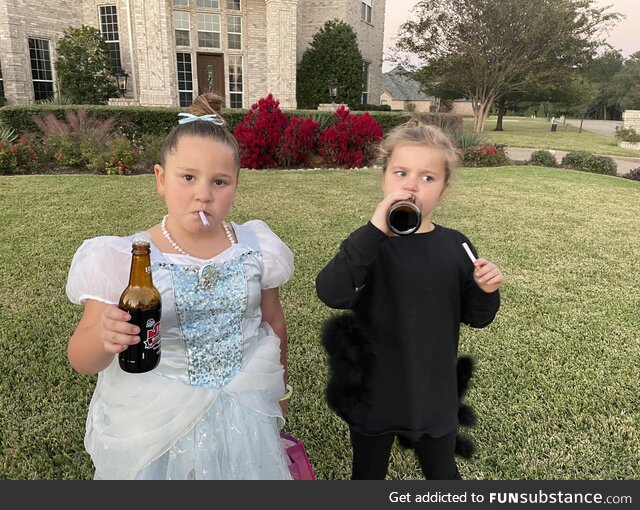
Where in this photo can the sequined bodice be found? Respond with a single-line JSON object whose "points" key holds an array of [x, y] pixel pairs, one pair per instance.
{"points": [[209, 303]]}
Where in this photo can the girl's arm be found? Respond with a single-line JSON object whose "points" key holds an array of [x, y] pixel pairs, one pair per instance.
{"points": [[102, 332], [273, 314], [339, 284]]}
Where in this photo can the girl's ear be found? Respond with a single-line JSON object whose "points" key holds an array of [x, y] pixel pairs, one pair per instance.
{"points": [[159, 172]]}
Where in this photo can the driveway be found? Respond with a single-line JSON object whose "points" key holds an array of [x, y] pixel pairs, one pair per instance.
{"points": [[603, 127]]}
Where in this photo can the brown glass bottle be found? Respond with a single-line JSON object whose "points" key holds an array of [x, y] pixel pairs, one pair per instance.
{"points": [[142, 300]]}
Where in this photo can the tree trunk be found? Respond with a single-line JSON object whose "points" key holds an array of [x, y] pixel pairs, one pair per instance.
{"points": [[502, 109]]}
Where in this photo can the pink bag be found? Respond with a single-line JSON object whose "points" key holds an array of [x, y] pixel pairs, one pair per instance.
{"points": [[297, 458]]}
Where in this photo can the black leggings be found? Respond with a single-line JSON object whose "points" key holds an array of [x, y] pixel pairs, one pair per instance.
{"points": [[435, 455]]}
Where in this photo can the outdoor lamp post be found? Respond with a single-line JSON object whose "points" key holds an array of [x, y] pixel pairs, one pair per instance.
{"points": [[121, 80], [333, 90]]}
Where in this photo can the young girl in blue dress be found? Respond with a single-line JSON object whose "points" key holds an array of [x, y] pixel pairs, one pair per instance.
{"points": [[211, 409], [394, 367]]}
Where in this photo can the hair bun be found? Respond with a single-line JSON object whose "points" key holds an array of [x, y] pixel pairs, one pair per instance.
{"points": [[207, 103]]}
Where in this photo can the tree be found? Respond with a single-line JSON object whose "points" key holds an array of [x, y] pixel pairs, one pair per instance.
{"points": [[600, 72], [333, 53], [623, 88], [84, 66], [483, 49]]}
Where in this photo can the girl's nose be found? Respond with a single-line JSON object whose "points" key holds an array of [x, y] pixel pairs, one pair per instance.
{"points": [[203, 194], [410, 185]]}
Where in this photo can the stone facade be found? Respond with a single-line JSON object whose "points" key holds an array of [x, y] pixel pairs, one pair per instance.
{"points": [[273, 35]]}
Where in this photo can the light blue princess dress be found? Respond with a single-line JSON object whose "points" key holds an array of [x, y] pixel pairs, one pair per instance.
{"points": [[210, 409]]}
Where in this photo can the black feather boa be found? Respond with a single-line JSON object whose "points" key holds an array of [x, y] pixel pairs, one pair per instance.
{"points": [[349, 349]]}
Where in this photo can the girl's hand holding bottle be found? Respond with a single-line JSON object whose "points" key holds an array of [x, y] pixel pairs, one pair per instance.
{"points": [[379, 219], [114, 330]]}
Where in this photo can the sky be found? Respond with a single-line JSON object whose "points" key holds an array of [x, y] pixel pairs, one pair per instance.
{"points": [[623, 37]]}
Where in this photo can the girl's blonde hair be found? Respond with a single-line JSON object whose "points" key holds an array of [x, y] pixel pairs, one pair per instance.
{"points": [[205, 104], [416, 132]]}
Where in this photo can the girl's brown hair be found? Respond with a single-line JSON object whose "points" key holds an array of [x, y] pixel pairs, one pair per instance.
{"points": [[205, 104], [416, 132]]}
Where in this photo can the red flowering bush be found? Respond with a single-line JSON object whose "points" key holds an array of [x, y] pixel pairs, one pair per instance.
{"points": [[299, 141], [351, 141], [260, 132], [485, 155], [20, 157]]}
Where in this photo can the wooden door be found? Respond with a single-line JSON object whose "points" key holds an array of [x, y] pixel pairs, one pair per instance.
{"points": [[211, 74]]}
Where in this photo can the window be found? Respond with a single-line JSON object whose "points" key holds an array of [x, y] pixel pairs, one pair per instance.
{"points": [[211, 4], [181, 3], [234, 32], [185, 79], [366, 11], [181, 26], [208, 30], [365, 83], [109, 31], [235, 81], [41, 74], [233, 5]]}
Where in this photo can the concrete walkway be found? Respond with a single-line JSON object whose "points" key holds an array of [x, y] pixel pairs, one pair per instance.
{"points": [[624, 164], [602, 127]]}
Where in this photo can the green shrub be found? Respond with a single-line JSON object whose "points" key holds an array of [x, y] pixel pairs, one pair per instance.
{"points": [[84, 66], [8, 135], [634, 174], [466, 139], [332, 52], [627, 135], [587, 162], [485, 155], [370, 108], [543, 158], [20, 156]]}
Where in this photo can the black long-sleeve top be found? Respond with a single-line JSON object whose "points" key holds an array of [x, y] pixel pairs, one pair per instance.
{"points": [[412, 292]]}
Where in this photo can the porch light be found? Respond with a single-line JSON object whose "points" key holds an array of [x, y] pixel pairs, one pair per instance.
{"points": [[333, 90], [121, 80]]}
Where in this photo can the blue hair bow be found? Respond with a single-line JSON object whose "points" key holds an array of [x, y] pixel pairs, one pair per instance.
{"points": [[211, 117]]}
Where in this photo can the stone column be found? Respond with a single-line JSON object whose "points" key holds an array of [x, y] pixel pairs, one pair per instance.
{"points": [[281, 51], [154, 53]]}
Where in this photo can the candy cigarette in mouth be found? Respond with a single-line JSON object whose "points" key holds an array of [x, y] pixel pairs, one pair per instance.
{"points": [[468, 250], [204, 219]]}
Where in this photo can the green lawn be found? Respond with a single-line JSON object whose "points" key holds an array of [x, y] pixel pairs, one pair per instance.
{"points": [[556, 385], [537, 134]]}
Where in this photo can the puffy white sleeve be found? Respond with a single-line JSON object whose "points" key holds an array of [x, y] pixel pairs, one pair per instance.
{"points": [[99, 270], [277, 257]]}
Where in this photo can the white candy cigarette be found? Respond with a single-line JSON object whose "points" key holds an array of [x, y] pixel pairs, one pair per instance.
{"points": [[468, 250], [204, 219]]}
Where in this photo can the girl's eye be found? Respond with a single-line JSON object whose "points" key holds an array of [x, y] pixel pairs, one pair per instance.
{"points": [[218, 182], [427, 178], [188, 178], [401, 173]]}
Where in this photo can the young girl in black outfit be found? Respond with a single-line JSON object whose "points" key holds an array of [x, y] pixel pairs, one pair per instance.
{"points": [[393, 360]]}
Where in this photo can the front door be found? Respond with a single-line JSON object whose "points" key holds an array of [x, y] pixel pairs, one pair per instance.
{"points": [[211, 74]]}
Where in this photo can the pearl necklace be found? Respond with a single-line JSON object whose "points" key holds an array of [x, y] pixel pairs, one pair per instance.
{"points": [[176, 246]]}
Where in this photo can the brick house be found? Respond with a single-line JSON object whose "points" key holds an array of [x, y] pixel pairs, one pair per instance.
{"points": [[174, 49], [402, 92]]}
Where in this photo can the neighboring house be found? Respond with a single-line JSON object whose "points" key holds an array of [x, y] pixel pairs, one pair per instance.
{"points": [[401, 92], [173, 50], [462, 107]]}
